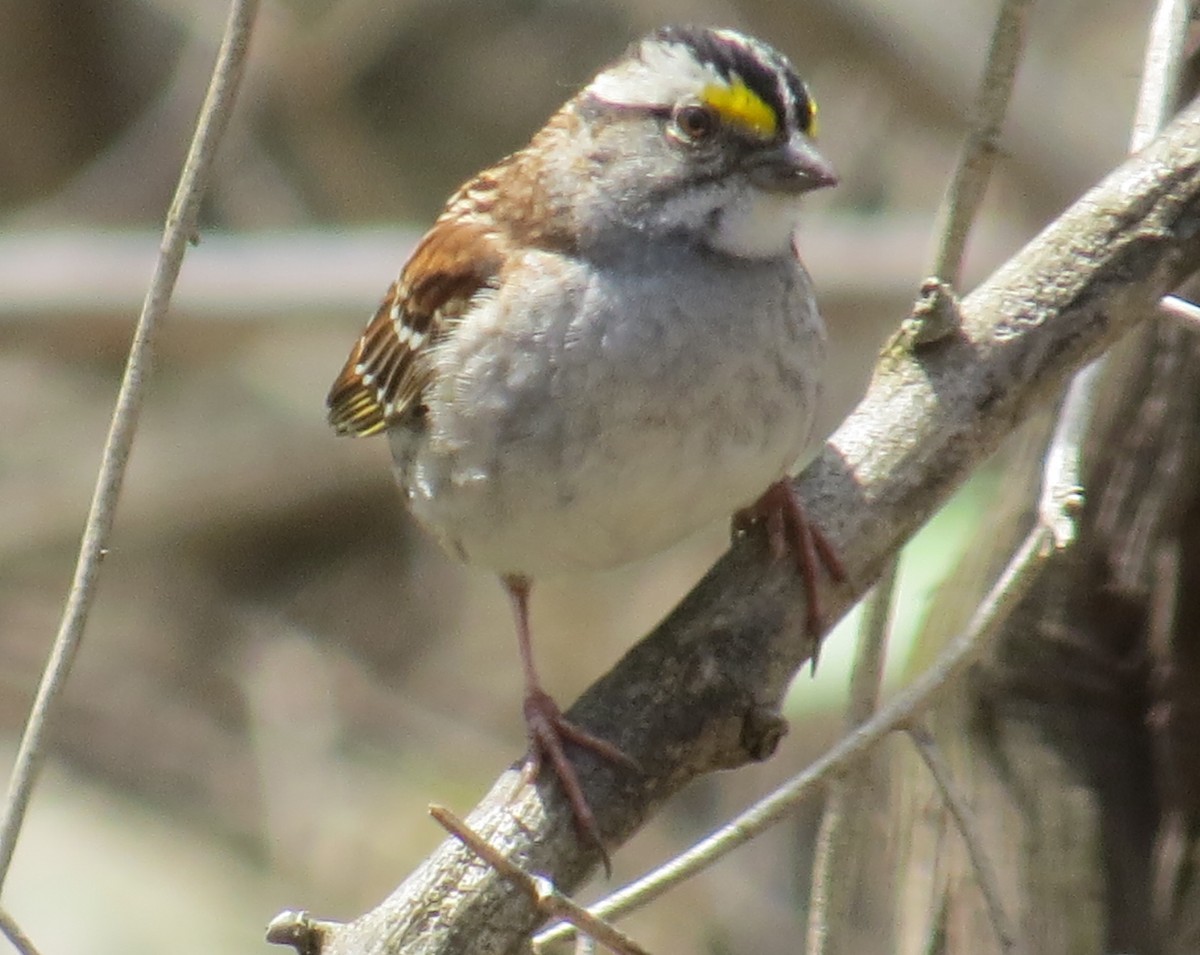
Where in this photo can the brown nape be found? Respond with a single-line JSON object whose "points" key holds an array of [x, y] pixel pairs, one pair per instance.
{"points": [[533, 212]]}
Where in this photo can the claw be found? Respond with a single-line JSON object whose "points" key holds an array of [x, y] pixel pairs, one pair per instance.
{"points": [[548, 729], [789, 529]]}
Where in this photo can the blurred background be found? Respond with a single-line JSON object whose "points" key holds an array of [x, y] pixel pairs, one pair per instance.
{"points": [[281, 672]]}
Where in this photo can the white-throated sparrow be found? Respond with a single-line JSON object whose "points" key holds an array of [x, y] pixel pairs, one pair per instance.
{"points": [[607, 340]]}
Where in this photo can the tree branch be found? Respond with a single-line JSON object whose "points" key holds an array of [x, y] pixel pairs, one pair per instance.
{"points": [[702, 691]]}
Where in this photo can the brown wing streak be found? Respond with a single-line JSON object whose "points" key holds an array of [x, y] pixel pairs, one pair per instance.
{"points": [[389, 367]]}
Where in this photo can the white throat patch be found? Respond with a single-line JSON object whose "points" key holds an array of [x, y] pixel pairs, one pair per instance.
{"points": [[759, 226]]}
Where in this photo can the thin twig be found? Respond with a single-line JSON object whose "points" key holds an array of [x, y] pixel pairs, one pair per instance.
{"points": [[1014, 582], [1171, 858], [866, 678], [180, 229], [834, 860], [12, 931], [1160, 70], [985, 875], [826, 901], [549, 901], [936, 312], [1181, 309], [969, 183], [1061, 499]]}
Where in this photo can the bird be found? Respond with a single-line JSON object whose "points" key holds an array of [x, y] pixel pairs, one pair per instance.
{"points": [[607, 340]]}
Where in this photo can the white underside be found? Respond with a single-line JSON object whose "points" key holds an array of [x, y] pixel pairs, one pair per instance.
{"points": [[565, 434]]}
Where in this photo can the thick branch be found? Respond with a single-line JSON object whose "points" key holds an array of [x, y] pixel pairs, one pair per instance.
{"points": [[701, 692]]}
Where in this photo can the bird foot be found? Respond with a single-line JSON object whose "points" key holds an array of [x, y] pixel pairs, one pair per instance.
{"points": [[789, 529], [548, 729]]}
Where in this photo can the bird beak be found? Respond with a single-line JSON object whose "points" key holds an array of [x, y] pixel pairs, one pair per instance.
{"points": [[793, 166]]}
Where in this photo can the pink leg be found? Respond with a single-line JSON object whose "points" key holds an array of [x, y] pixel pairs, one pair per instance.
{"points": [[548, 728]]}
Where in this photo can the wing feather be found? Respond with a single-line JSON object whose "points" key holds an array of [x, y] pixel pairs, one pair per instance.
{"points": [[389, 367]]}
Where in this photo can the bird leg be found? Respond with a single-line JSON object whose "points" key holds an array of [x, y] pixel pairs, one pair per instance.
{"points": [[548, 728], [789, 529]]}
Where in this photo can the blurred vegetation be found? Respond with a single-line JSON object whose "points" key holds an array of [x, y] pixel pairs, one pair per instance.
{"points": [[279, 666]]}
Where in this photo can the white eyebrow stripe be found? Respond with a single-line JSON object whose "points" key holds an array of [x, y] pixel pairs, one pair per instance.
{"points": [[661, 74]]}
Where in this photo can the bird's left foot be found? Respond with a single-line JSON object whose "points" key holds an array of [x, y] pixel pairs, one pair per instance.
{"points": [[789, 529], [548, 729]]}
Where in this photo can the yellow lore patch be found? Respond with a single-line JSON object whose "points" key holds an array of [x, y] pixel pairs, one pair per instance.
{"points": [[740, 105]]}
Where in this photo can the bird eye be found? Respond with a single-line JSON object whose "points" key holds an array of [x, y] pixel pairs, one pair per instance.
{"points": [[695, 122]]}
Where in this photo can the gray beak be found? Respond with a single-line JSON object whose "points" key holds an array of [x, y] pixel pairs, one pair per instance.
{"points": [[793, 166]]}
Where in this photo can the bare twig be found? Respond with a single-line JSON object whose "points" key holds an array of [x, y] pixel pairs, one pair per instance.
{"points": [[180, 229], [1055, 132], [1171, 840], [1176, 307], [1160, 70], [827, 892], [551, 902], [866, 677], [1061, 500], [834, 860], [1013, 583], [12, 931], [969, 183], [985, 874], [936, 313]]}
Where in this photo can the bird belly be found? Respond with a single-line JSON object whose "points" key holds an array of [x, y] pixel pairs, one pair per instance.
{"points": [[569, 435]]}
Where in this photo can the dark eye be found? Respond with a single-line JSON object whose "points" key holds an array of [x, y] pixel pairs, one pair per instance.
{"points": [[695, 122]]}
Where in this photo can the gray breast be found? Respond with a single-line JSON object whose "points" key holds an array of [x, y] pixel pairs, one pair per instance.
{"points": [[599, 414]]}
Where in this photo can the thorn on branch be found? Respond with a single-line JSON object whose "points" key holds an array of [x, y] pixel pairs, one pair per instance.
{"points": [[935, 315], [299, 930]]}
